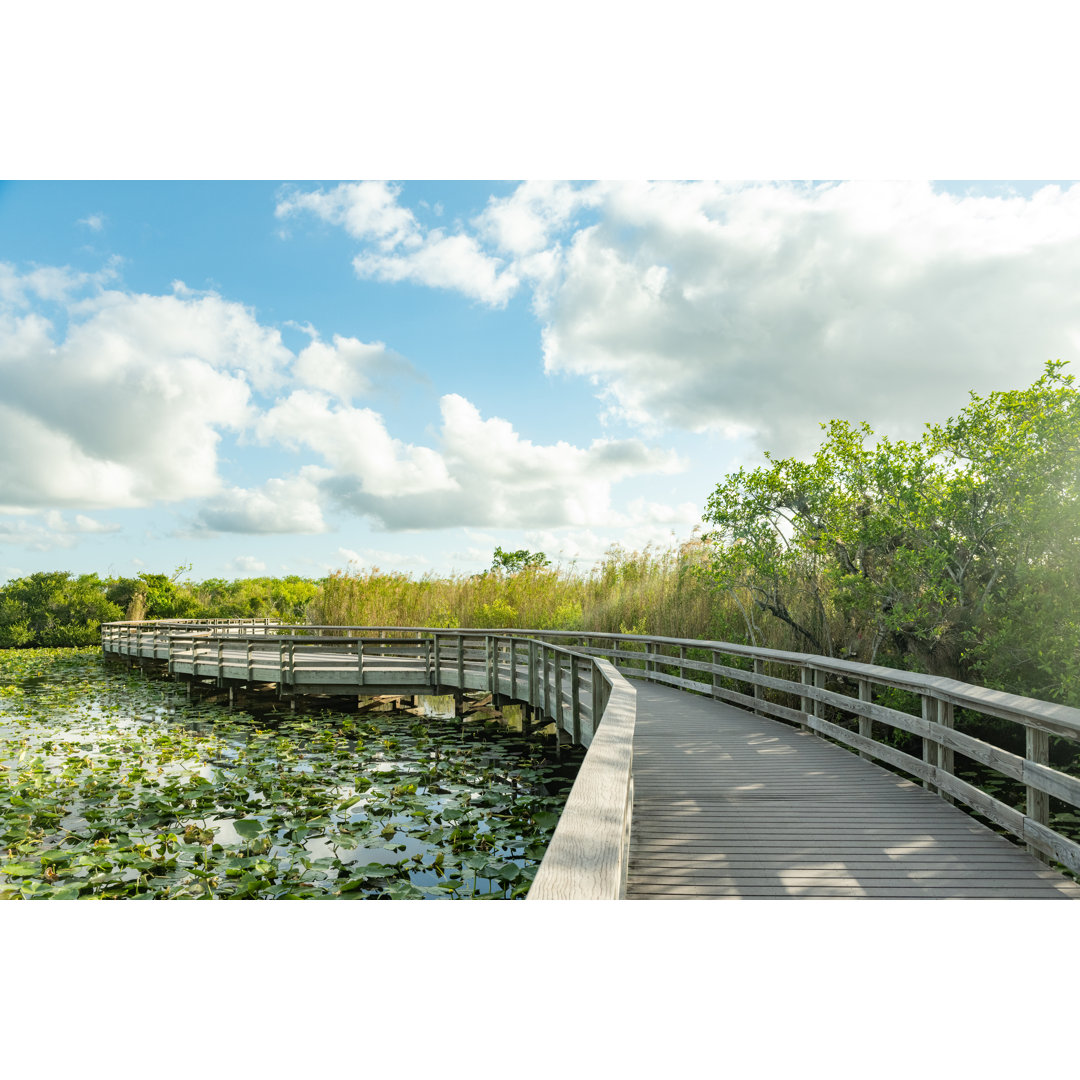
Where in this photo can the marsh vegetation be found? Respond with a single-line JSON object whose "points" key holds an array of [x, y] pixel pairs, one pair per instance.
{"points": [[113, 785]]}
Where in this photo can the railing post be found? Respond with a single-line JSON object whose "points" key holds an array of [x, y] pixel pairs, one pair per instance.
{"points": [[946, 756], [575, 699], [534, 689], [220, 662], [513, 669], [547, 686], [866, 724], [558, 691], [806, 677], [1037, 808], [360, 661], [594, 693], [715, 675], [929, 746], [435, 660], [682, 661], [650, 659], [461, 661], [759, 669]]}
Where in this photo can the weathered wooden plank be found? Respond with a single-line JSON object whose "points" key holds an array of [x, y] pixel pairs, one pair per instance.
{"points": [[587, 856], [1051, 843]]}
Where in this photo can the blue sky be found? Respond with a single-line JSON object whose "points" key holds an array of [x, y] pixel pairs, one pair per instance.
{"points": [[274, 377]]}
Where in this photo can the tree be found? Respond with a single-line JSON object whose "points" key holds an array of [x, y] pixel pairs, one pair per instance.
{"points": [[513, 562], [908, 547], [52, 608]]}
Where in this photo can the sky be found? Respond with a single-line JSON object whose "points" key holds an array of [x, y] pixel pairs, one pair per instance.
{"points": [[292, 377]]}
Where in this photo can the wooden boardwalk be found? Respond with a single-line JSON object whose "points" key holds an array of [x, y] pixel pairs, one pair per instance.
{"points": [[731, 805], [690, 795]]}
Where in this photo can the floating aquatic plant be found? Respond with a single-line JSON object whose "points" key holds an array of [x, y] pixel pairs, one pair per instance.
{"points": [[115, 785]]}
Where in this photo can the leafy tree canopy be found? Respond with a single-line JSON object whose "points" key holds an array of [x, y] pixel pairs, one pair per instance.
{"points": [[916, 550], [513, 562]]}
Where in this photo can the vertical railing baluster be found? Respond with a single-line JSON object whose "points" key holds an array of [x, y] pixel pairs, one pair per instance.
{"points": [[946, 756], [866, 724], [929, 746], [806, 677], [1037, 751], [559, 718], [575, 699]]}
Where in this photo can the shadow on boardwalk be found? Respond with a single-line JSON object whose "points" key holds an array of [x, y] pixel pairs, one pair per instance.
{"points": [[730, 805]]}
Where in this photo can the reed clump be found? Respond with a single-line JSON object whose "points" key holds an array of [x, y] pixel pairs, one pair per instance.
{"points": [[667, 593]]}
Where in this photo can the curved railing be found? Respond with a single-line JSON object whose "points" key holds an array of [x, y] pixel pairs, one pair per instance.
{"points": [[587, 856], [834, 698]]}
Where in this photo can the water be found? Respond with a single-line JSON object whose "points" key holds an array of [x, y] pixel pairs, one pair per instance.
{"points": [[113, 784]]}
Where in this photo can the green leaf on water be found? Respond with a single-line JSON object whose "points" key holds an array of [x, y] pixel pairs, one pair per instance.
{"points": [[248, 828], [23, 869]]}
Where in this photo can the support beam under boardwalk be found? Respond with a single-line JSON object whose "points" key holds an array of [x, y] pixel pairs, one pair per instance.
{"points": [[729, 805]]}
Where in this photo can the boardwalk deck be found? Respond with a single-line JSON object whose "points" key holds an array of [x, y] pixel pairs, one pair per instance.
{"points": [[685, 796], [728, 804]]}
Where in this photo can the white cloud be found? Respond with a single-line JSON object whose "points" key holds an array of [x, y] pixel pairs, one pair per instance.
{"points": [[348, 368], [355, 442], [54, 530], [246, 566], [445, 262], [766, 309], [366, 210], [402, 249], [94, 222], [128, 407], [289, 505], [48, 283], [760, 310], [484, 474], [523, 222], [86, 524]]}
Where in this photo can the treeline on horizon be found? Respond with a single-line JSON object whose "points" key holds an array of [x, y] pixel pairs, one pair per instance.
{"points": [[956, 554]]}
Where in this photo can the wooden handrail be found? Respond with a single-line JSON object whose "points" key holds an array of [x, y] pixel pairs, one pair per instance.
{"points": [[540, 682]]}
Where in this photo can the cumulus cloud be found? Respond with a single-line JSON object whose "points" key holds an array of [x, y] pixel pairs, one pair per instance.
{"points": [[94, 222], [128, 406], [764, 309], [484, 473], [349, 368], [366, 210], [355, 443], [755, 309], [289, 505], [401, 248], [445, 262]]}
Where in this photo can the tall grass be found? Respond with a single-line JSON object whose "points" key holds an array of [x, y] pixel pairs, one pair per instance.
{"points": [[647, 592]]}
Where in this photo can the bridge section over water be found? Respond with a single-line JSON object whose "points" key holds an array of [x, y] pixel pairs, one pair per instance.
{"points": [[704, 779]]}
